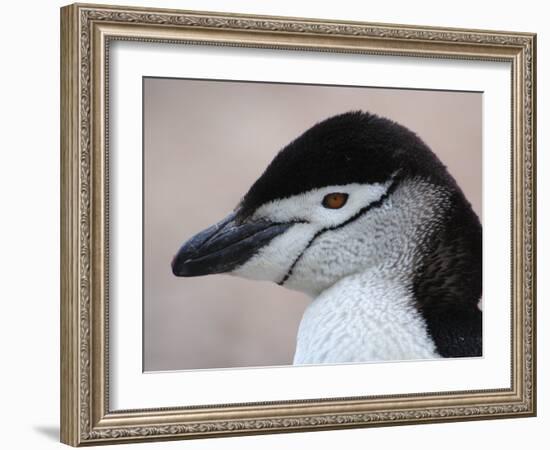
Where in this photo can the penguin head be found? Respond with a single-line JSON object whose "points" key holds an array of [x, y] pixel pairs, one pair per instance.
{"points": [[355, 190]]}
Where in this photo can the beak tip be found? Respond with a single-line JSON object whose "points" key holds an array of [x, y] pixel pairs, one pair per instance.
{"points": [[183, 265], [174, 267], [177, 268]]}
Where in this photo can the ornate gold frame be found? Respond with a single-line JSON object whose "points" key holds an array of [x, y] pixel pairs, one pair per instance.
{"points": [[86, 31]]}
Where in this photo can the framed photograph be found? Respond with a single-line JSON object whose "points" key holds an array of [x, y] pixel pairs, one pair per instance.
{"points": [[275, 224]]}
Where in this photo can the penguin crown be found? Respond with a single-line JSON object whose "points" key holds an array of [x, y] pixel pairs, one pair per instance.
{"points": [[353, 147]]}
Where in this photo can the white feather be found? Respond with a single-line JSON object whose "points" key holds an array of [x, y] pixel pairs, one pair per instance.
{"points": [[365, 317]]}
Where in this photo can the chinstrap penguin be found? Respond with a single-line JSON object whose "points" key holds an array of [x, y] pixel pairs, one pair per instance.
{"points": [[361, 215]]}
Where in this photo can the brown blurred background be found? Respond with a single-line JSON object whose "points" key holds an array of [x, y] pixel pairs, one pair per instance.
{"points": [[205, 143]]}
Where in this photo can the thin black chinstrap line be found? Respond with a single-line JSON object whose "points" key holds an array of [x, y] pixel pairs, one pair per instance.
{"points": [[362, 211]]}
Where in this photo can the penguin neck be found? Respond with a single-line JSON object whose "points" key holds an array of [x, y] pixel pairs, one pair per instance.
{"points": [[447, 283], [367, 316]]}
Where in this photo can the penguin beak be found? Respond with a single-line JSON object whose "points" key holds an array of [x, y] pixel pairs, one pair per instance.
{"points": [[224, 246]]}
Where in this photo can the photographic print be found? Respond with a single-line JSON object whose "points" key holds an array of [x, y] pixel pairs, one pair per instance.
{"points": [[340, 224], [276, 224]]}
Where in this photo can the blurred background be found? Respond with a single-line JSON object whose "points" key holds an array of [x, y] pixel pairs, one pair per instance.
{"points": [[205, 143]]}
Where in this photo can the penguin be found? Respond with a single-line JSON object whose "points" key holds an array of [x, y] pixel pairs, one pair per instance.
{"points": [[362, 216]]}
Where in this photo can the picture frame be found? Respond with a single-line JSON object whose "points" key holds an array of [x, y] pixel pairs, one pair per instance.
{"points": [[88, 337]]}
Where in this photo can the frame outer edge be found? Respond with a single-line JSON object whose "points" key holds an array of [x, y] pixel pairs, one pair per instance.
{"points": [[69, 311], [533, 281], [82, 393]]}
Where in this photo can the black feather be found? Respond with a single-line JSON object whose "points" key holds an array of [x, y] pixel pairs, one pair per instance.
{"points": [[448, 282], [354, 147]]}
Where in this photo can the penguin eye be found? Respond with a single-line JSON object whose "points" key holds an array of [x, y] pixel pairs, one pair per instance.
{"points": [[335, 200]]}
